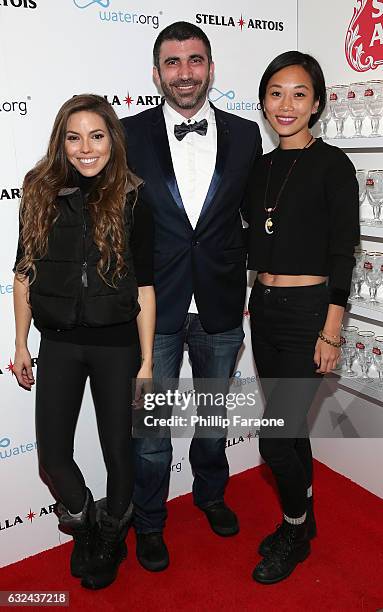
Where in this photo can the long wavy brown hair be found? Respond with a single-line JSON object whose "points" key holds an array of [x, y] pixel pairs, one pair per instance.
{"points": [[106, 203]]}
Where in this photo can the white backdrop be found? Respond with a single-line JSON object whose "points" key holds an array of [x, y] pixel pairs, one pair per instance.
{"points": [[49, 51]]}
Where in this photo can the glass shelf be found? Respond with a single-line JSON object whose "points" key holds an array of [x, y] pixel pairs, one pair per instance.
{"points": [[374, 231], [356, 143], [366, 310], [371, 389]]}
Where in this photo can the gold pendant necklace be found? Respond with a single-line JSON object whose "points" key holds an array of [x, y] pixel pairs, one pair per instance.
{"points": [[269, 225]]}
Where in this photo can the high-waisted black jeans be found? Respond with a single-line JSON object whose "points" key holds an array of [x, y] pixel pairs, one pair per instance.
{"points": [[285, 322], [62, 371]]}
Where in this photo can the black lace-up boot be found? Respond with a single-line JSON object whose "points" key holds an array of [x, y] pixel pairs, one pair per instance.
{"points": [[266, 544], [291, 547]]}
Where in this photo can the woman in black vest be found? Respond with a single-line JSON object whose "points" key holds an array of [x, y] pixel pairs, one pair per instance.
{"points": [[84, 274], [304, 225]]}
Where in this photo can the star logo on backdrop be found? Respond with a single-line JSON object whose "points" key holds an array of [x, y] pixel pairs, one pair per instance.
{"points": [[128, 100], [31, 515], [241, 22], [252, 435], [10, 367]]}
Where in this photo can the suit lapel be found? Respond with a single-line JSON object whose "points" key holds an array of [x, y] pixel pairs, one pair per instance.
{"points": [[222, 154], [162, 149]]}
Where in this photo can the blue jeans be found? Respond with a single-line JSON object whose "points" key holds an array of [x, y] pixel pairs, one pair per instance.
{"points": [[211, 356]]}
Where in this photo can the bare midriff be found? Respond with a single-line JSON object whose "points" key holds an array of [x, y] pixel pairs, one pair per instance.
{"points": [[287, 280]]}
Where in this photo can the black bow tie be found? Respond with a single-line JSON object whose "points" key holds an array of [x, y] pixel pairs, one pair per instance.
{"points": [[200, 127]]}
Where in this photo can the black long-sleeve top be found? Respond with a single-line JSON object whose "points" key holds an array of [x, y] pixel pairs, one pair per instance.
{"points": [[316, 223]]}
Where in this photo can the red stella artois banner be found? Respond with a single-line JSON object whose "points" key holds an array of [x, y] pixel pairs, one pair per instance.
{"points": [[364, 38]]}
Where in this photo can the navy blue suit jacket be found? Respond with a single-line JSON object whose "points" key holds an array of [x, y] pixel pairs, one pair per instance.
{"points": [[209, 261]]}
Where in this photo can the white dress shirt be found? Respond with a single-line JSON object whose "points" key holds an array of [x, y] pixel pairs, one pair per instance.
{"points": [[193, 160]]}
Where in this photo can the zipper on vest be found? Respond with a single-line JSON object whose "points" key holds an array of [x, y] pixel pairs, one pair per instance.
{"points": [[84, 275]]}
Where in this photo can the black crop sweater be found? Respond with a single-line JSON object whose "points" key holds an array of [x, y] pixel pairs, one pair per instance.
{"points": [[316, 224]]}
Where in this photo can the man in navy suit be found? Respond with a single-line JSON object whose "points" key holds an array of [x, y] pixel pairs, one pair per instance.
{"points": [[195, 160]]}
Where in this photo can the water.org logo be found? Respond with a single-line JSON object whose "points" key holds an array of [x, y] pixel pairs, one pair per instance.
{"points": [[9, 450], [129, 18], [15, 106], [5, 288], [28, 4], [238, 380], [178, 465], [230, 102]]}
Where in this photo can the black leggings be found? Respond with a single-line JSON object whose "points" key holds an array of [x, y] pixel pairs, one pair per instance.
{"points": [[284, 330], [62, 371]]}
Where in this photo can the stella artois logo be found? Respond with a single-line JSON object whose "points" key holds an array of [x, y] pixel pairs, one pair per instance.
{"points": [[333, 96], [367, 265], [360, 345], [351, 95], [342, 340], [370, 182], [364, 38], [376, 351]]}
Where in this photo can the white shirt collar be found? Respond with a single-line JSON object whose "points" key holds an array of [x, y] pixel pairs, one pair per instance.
{"points": [[174, 117]]}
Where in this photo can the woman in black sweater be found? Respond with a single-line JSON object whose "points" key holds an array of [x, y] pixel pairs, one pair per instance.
{"points": [[84, 274], [304, 224]]}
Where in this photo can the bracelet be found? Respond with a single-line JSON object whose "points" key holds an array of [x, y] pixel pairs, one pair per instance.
{"points": [[330, 336], [330, 342]]}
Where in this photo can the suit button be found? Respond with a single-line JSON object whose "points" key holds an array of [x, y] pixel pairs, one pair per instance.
{"points": [[195, 243]]}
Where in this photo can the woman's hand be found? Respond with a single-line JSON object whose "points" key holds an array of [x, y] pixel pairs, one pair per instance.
{"points": [[22, 368], [143, 383], [326, 357]]}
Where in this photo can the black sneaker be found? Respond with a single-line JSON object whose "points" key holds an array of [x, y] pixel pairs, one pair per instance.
{"points": [[291, 548], [266, 544], [222, 520], [152, 552]]}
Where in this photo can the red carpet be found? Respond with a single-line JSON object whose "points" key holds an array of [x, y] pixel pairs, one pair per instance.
{"points": [[209, 573]]}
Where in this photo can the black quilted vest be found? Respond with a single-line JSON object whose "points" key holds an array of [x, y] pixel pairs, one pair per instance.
{"points": [[68, 292]]}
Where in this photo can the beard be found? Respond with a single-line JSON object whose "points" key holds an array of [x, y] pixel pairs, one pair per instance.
{"points": [[185, 100]]}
